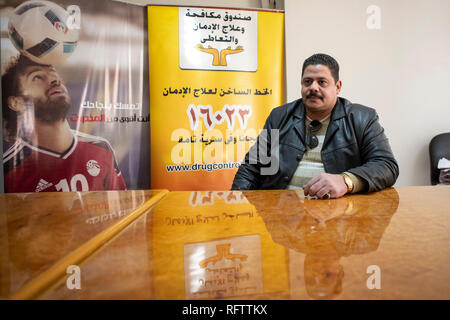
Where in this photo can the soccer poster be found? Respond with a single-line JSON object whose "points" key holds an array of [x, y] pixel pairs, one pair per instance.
{"points": [[75, 111], [215, 75]]}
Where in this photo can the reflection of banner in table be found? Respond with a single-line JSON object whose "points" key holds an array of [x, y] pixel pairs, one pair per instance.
{"points": [[225, 268], [105, 80], [215, 74], [217, 246]]}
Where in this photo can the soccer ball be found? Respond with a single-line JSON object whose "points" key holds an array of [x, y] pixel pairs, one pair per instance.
{"points": [[38, 29]]}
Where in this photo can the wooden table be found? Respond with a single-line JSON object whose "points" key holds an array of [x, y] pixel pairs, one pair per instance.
{"points": [[393, 244], [42, 233]]}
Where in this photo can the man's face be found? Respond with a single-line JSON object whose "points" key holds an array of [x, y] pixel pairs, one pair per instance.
{"points": [[319, 90], [44, 87]]}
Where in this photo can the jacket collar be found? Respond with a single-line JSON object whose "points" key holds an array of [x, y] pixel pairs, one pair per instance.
{"points": [[299, 120]]}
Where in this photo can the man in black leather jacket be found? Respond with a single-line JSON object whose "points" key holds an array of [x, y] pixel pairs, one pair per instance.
{"points": [[352, 154]]}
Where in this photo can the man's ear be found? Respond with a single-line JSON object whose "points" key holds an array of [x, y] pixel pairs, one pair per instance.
{"points": [[16, 103], [338, 86]]}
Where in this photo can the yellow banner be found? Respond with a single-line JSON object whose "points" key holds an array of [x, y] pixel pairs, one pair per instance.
{"points": [[215, 75]]}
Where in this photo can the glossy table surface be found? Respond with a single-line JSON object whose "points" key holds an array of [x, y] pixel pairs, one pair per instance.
{"points": [[39, 229], [393, 244]]}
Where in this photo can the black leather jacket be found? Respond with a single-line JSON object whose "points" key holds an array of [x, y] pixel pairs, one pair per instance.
{"points": [[354, 142]]}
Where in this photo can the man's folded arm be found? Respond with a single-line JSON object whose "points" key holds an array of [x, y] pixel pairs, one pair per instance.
{"points": [[380, 169], [248, 176]]}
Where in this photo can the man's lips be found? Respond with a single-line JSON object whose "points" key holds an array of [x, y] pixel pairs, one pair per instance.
{"points": [[56, 91]]}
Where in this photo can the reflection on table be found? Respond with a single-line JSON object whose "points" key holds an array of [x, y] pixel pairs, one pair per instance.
{"points": [[275, 245], [39, 229], [325, 231]]}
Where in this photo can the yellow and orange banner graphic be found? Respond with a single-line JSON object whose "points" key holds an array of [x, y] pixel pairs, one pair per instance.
{"points": [[215, 74]]}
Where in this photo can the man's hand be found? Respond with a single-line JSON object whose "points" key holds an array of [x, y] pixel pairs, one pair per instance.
{"points": [[324, 183]]}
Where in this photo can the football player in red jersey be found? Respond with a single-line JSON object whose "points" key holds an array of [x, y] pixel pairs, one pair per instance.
{"points": [[47, 155]]}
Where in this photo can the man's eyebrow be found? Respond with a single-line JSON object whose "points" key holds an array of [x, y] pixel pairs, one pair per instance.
{"points": [[319, 78], [39, 68], [32, 70]]}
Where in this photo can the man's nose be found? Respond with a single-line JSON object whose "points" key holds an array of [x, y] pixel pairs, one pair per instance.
{"points": [[54, 79], [314, 86]]}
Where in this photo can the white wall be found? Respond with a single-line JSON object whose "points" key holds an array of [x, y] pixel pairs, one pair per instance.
{"points": [[402, 70]]}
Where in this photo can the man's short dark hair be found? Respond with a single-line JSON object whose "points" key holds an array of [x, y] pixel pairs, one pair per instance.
{"points": [[325, 60], [11, 87]]}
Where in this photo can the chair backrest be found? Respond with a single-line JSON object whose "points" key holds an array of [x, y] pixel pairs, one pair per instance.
{"points": [[439, 148]]}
